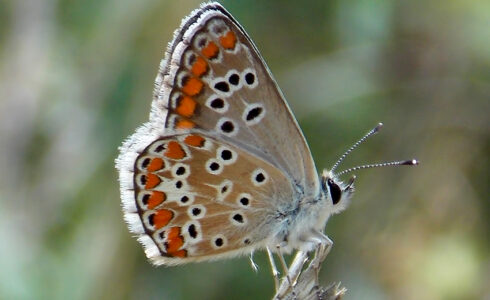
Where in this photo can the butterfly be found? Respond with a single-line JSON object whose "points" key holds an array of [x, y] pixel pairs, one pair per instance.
{"points": [[222, 167]]}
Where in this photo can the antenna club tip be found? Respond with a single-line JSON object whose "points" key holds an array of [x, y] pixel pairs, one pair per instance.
{"points": [[412, 162], [378, 127]]}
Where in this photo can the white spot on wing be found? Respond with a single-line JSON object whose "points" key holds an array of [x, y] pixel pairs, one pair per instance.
{"points": [[186, 231], [174, 98], [189, 58], [196, 211], [237, 218], [255, 78], [214, 166], [181, 78], [244, 203], [224, 189], [201, 40], [233, 87], [146, 219], [180, 170], [215, 239], [185, 199], [220, 127], [253, 114], [259, 177], [223, 154], [217, 28], [221, 110]]}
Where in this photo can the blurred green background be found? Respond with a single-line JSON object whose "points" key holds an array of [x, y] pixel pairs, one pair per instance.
{"points": [[76, 78]]}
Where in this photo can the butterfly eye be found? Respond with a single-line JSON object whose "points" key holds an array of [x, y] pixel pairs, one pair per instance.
{"points": [[335, 191]]}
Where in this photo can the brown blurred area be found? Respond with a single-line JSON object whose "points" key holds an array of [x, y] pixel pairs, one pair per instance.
{"points": [[76, 78]]}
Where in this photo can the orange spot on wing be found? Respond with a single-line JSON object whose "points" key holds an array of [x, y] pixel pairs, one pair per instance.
{"points": [[174, 150], [211, 50], [155, 165], [162, 218], [185, 124], [152, 181], [179, 253], [186, 107], [193, 86], [174, 240], [200, 67], [173, 232], [228, 41], [194, 140], [156, 199]]}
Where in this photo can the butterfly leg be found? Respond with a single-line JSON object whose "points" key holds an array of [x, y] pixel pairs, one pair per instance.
{"points": [[275, 272], [252, 262], [284, 266], [287, 281], [323, 248]]}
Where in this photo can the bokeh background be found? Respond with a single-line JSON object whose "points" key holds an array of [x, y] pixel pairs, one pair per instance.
{"points": [[76, 78]]}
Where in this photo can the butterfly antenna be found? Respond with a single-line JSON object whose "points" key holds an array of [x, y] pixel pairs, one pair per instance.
{"points": [[412, 162], [365, 137]]}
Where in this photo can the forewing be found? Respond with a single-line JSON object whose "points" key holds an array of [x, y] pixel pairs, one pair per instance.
{"points": [[215, 80]]}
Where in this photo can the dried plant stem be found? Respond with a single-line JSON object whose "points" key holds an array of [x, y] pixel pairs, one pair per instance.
{"points": [[305, 284]]}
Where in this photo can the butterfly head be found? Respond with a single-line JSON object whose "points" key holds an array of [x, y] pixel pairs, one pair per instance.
{"points": [[337, 193]]}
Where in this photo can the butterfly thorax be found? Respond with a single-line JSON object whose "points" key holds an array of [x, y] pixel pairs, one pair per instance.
{"points": [[296, 225], [313, 213], [300, 221]]}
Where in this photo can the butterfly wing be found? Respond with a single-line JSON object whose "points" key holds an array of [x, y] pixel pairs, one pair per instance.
{"points": [[214, 78], [213, 85], [200, 198]]}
